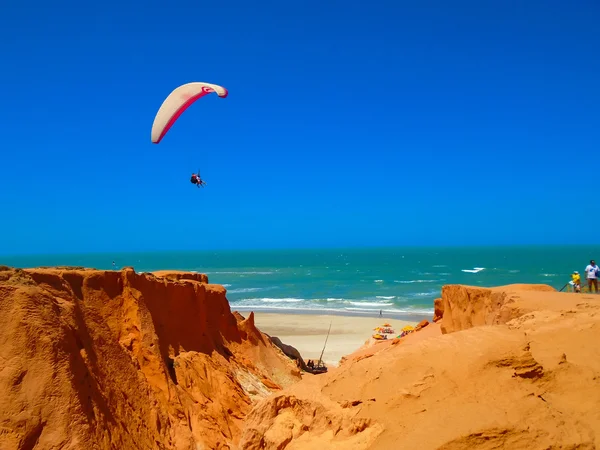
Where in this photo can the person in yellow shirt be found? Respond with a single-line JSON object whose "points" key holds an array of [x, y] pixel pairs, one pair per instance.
{"points": [[576, 281]]}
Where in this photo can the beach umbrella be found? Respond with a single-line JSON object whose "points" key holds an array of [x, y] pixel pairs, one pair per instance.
{"points": [[387, 325], [408, 328]]}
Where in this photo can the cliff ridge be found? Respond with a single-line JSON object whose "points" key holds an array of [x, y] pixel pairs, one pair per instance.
{"points": [[101, 359]]}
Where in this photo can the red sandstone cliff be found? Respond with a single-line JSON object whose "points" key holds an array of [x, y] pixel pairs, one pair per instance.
{"points": [[103, 360], [98, 360]]}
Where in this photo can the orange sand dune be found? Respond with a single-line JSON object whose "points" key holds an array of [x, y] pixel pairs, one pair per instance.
{"points": [[518, 367]]}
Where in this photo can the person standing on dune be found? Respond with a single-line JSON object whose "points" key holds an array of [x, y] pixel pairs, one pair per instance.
{"points": [[591, 274], [576, 281]]}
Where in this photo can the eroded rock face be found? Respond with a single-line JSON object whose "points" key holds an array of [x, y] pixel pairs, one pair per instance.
{"points": [[95, 359], [290, 352], [465, 307], [422, 324], [438, 309], [286, 421]]}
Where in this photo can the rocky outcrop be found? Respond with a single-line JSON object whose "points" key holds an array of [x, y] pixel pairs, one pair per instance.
{"points": [[422, 324], [275, 423], [290, 352], [179, 275], [438, 309], [465, 307], [95, 359]]}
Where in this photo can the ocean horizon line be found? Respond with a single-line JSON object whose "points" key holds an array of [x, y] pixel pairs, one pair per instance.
{"points": [[359, 281], [533, 246]]}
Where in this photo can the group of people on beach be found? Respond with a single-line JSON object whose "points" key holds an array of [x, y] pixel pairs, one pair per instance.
{"points": [[591, 275]]}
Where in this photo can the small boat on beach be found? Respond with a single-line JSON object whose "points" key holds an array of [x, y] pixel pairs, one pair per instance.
{"points": [[317, 369], [320, 367]]}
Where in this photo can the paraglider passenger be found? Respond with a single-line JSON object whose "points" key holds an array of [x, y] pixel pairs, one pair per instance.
{"points": [[197, 180]]}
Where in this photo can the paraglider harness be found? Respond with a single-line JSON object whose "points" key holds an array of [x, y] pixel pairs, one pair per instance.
{"points": [[195, 179]]}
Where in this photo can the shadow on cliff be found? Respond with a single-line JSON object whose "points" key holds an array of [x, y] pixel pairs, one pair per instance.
{"points": [[196, 317], [88, 389], [78, 344]]}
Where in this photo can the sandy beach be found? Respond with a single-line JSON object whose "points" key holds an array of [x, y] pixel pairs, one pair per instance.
{"points": [[307, 333]]}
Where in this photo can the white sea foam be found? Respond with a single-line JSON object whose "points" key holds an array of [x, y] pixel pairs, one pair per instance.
{"points": [[378, 281], [357, 302], [549, 275], [370, 303], [240, 273], [280, 300], [423, 294], [401, 311], [474, 270], [254, 289], [415, 281], [316, 308], [386, 297]]}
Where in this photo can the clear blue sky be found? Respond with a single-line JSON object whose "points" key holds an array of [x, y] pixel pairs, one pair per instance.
{"points": [[347, 123]]}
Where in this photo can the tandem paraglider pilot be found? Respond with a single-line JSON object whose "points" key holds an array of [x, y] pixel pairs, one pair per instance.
{"points": [[197, 180]]}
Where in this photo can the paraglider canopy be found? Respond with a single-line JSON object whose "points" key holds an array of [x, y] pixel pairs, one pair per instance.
{"points": [[177, 102]]}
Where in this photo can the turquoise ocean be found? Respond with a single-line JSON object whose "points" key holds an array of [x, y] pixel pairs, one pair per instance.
{"points": [[402, 282]]}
